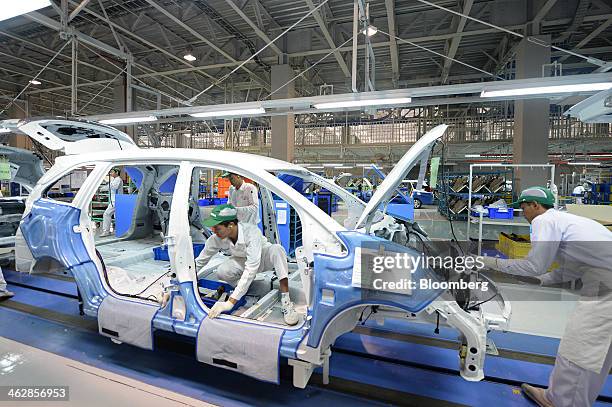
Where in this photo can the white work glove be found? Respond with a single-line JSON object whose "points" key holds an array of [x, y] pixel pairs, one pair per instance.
{"points": [[219, 307], [490, 263]]}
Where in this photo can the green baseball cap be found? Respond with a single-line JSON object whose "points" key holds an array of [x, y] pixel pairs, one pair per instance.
{"points": [[536, 194], [226, 174], [220, 214]]}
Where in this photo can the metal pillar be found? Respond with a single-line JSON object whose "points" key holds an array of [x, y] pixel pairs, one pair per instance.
{"points": [[283, 127], [129, 96], [75, 78], [531, 118]]}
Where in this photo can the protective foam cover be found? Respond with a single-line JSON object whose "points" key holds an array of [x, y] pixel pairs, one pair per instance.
{"points": [[243, 347], [127, 321]]}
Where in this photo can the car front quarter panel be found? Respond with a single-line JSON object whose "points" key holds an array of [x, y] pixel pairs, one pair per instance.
{"points": [[334, 275]]}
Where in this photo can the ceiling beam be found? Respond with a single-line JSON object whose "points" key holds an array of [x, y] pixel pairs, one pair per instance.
{"points": [[56, 25], [205, 40], [602, 27], [543, 11], [250, 22], [147, 43], [330, 40], [51, 51], [77, 10], [53, 24], [390, 6], [262, 8], [454, 43]]}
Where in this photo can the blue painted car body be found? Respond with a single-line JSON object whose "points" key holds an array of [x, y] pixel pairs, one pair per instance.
{"points": [[44, 229], [62, 232]]}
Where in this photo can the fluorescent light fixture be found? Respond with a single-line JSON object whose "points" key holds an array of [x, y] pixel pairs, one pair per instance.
{"points": [[229, 113], [472, 156], [343, 167], [363, 102], [584, 163], [189, 57], [4, 130], [332, 165], [370, 31], [12, 9], [129, 120], [543, 90], [364, 165], [35, 82], [319, 167]]}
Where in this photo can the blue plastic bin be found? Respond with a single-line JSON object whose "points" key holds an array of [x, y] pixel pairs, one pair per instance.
{"points": [[501, 213], [213, 285], [161, 252]]}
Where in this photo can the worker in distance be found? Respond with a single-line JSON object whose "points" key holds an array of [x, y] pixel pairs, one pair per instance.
{"points": [[115, 186], [244, 196]]}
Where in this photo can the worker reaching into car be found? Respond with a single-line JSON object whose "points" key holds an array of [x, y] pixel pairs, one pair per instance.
{"points": [[581, 246], [250, 253], [115, 186], [244, 196]]}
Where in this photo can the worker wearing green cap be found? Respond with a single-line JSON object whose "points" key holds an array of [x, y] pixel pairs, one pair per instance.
{"points": [[244, 196], [250, 253], [583, 249]]}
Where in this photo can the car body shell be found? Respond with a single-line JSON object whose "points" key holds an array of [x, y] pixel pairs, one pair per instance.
{"points": [[326, 260]]}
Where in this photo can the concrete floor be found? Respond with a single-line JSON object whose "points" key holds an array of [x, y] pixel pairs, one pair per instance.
{"points": [[22, 365]]}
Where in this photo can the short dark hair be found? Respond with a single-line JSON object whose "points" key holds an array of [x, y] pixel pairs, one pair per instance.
{"points": [[543, 205]]}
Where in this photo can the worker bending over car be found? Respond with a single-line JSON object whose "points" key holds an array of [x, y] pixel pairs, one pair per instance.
{"points": [[583, 249], [244, 196], [250, 253]]}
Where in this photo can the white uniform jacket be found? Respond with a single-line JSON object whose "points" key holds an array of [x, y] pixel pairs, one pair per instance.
{"points": [[246, 202], [115, 187], [583, 249], [249, 246]]}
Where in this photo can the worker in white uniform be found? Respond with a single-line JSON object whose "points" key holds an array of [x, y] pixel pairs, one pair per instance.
{"points": [[115, 186], [4, 292], [250, 253], [581, 247], [244, 196], [578, 192]]}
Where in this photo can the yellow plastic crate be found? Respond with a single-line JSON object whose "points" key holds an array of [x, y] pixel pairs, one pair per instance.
{"points": [[514, 249], [517, 250]]}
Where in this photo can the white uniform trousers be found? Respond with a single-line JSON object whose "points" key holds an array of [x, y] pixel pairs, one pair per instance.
{"points": [[107, 218], [272, 257], [572, 386]]}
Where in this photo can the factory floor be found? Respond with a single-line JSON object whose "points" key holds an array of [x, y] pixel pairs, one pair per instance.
{"points": [[20, 364]]}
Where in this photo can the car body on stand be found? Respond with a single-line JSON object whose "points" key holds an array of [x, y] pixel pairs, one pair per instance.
{"points": [[122, 281]]}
